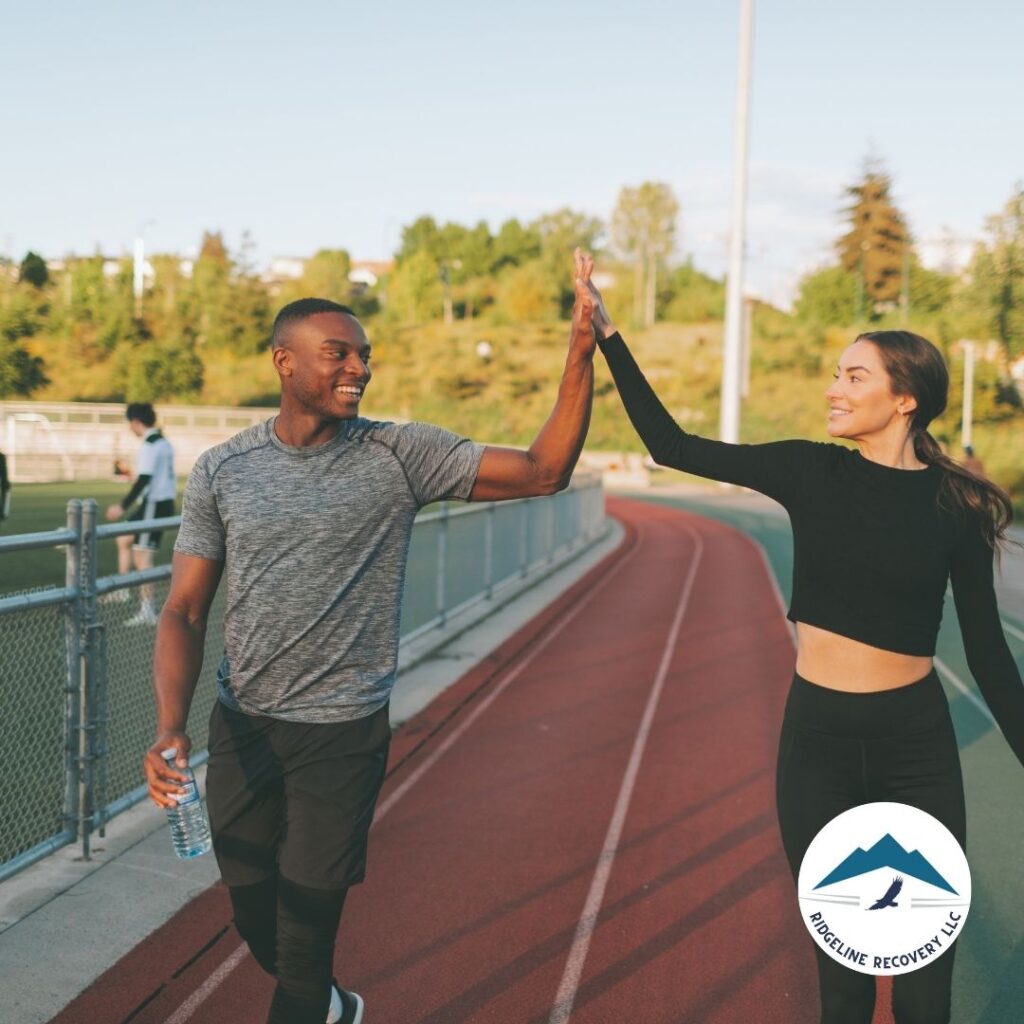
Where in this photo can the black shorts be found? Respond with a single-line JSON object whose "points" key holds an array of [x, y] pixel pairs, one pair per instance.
{"points": [[294, 797], [150, 540]]}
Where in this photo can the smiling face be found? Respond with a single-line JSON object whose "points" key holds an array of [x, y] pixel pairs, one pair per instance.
{"points": [[861, 400], [323, 361]]}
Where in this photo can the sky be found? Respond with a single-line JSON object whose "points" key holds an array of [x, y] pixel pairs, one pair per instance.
{"points": [[324, 125]]}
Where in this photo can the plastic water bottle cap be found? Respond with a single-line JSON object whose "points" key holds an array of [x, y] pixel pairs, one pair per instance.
{"points": [[169, 754]]}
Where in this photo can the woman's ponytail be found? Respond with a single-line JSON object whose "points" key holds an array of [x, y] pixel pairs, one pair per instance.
{"points": [[964, 491], [916, 367]]}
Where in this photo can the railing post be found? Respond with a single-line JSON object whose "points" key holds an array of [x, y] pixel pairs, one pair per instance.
{"points": [[87, 676], [442, 563], [73, 668], [489, 551], [524, 538], [550, 505]]}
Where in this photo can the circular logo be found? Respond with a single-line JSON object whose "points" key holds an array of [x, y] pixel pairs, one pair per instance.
{"points": [[884, 888]]}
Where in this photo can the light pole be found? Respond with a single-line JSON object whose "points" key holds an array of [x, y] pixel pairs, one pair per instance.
{"points": [[139, 267], [732, 350], [967, 418]]}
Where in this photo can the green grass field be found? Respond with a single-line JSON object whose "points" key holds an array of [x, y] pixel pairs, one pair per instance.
{"points": [[37, 507]]}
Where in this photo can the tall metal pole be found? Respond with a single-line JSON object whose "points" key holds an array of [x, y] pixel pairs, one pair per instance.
{"points": [[732, 353], [967, 420], [139, 275]]}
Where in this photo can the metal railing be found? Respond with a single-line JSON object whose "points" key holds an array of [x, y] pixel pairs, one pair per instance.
{"points": [[76, 661]]}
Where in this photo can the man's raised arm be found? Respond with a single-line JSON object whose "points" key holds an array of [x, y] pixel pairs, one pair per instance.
{"points": [[546, 467]]}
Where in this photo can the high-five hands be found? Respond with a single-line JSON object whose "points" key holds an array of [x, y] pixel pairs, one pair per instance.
{"points": [[598, 314], [583, 307]]}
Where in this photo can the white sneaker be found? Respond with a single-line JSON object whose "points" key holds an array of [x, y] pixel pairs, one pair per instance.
{"points": [[346, 1007], [115, 596], [145, 616]]}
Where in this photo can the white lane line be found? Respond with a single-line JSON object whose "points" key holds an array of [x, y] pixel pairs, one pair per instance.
{"points": [[185, 1011], [1008, 627], [759, 547], [569, 985], [1012, 629], [201, 994], [964, 689]]}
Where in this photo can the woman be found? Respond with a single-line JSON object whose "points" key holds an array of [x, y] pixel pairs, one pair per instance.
{"points": [[878, 530]]}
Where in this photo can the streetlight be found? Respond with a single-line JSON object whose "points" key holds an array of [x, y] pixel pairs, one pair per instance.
{"points": [[967, 417], [732, 351], [139, 267]]}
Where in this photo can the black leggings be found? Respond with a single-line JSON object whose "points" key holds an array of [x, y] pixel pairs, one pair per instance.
{"points": [[840, 749], [290, 930]]}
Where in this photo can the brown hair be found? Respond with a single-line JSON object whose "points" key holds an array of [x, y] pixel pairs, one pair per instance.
{"points": [[916, 367]]}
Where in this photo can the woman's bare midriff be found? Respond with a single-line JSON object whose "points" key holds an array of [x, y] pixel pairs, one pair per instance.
{"points": [[840, 663]]}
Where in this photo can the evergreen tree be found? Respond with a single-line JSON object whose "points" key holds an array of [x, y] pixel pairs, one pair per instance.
{"points": [[33, 270], [876, 248]]}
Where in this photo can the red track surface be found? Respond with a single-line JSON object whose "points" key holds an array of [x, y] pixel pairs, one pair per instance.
{"points": [[479, 872]]}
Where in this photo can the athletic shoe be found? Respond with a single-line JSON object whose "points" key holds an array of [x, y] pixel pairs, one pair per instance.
{"points": [[346, 1007], [115, 596], [145, 616]]}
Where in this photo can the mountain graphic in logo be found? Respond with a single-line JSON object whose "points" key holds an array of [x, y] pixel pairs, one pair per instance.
{"points": [[886, 853]]}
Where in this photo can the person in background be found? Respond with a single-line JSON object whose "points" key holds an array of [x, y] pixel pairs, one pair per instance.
{"points": [[154, 488], [972, 463], [5, 489]]}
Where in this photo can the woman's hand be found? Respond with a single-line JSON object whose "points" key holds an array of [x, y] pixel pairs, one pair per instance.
{"points": [[597, 314]]}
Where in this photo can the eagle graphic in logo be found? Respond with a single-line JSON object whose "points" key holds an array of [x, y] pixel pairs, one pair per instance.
{"points": [[889, 899]]}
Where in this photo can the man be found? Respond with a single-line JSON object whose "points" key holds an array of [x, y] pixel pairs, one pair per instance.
{"points": [[5, 489], [312, 512], [972, 463], [155, 487]]}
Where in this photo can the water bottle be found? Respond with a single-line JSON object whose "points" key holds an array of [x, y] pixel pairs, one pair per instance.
{"points": [[190, 829]]}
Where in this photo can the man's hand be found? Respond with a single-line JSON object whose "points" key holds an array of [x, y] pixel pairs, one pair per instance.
{"points": [[162, 778], [114, 512], [547, 466], [583, 339]]}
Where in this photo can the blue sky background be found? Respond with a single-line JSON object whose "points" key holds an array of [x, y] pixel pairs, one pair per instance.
{"points": [[320, 124]]}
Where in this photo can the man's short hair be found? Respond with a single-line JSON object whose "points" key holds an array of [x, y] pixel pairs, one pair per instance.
{"points": [[299, 310], [141, 411]]}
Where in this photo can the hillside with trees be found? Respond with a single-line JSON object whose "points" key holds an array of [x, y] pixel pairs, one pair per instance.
{"points": [[73, 329]]}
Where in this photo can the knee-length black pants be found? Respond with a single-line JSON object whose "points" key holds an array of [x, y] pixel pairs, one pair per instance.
{"points": [[839, 750]]}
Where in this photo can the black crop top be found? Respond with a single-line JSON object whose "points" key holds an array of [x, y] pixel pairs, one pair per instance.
{"points": [[872, 548]]}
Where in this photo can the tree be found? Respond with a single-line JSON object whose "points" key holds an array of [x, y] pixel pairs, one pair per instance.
{"points": [[827, 298], [559, 233], [325, 276], [20, 372], [158, 370], [33, 271], [414, 291], [690, 296], [876, 248], [228, 307], [529, 294], [514, 245], [644, 229], [995, 292]]}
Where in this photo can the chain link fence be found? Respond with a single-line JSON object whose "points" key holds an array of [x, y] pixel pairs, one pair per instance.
{"points": [[76, 662]]}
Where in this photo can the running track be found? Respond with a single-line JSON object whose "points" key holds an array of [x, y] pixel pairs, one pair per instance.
{"points": [[581, 829]]}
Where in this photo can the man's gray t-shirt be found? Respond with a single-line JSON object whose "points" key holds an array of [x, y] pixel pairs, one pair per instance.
{"points": [[315, 542]]}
